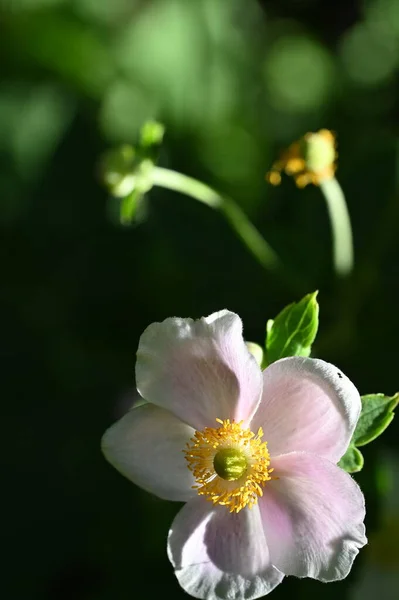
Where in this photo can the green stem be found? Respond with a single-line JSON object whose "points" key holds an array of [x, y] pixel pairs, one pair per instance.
{"points": [[341, 228], [248, 233]]}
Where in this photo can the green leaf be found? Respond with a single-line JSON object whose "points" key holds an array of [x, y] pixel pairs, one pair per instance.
{"points": [[376, 415], [294, 329], [352, 461]]}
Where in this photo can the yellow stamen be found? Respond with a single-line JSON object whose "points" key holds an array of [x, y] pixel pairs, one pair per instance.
{"points": [[312, 159], [230, 464]]}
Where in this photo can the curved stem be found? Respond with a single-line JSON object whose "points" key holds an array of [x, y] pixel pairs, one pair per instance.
{"points": [[248, 233], [341, 228]]}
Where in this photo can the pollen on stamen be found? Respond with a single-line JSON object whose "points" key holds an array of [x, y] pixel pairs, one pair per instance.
{"points": [[242, 480], [309, 160]]}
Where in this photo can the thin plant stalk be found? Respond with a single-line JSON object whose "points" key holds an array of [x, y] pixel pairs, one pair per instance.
{"points": [[243, 227], [341, 227]]}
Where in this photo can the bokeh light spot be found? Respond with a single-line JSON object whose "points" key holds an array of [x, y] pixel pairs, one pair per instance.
{"points": [[125, 108], [369, 56], [299, 74]]}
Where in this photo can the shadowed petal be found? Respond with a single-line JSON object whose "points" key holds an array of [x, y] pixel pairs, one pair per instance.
{"points": [[146, 445], [199, 370], [218, 555], [313, 517], [307, 405]]}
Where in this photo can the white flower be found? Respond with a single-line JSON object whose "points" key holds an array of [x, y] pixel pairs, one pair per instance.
{"points": [[252, 453]]}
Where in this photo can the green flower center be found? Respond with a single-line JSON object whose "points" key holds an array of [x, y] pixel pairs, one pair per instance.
{"points": [[230, 464], [318, 152]]}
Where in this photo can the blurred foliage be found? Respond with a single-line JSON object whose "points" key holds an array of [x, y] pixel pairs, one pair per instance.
{"points": [[234, 82]]}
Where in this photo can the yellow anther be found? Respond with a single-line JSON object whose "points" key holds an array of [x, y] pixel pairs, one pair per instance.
{"points": [[230, 464]]}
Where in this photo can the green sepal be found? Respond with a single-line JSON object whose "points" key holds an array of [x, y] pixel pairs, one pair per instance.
{"points": [[151, 134], [293, 330], [352, 461], [129, 206], [377, 413]]}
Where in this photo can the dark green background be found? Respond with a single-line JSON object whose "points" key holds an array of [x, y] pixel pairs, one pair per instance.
{"points": [[77, 289]]}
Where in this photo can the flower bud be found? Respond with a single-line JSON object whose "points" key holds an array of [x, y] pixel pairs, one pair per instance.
{"points": [[117, 170]]}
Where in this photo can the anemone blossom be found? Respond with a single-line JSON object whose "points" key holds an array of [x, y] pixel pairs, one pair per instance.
{"points": [[253, 454]]}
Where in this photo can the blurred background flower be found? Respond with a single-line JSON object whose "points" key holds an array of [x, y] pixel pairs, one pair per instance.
{"points": [[234, 83]]}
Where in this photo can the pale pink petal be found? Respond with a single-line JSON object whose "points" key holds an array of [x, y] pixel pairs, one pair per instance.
{"points": [[218, 555], [199, 370], [146, 445], [312, 517], [307, 405]]}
